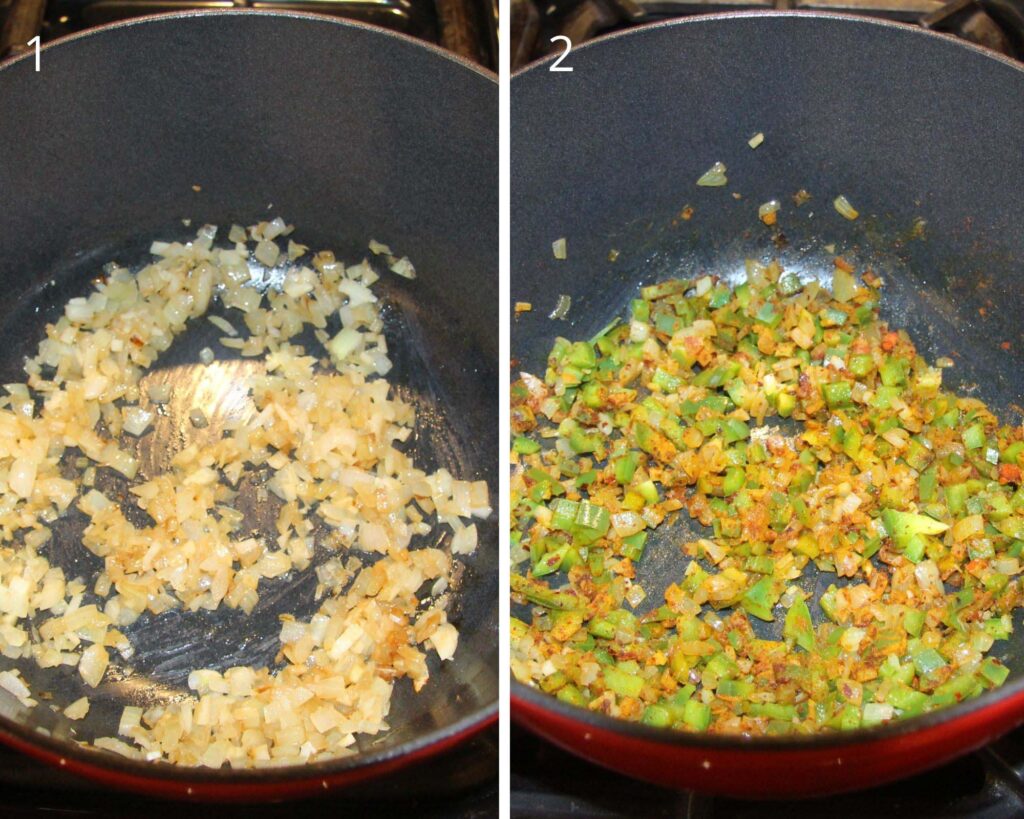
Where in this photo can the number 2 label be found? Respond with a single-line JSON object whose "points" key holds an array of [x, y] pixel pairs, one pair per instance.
{"points": [[557, 64]]}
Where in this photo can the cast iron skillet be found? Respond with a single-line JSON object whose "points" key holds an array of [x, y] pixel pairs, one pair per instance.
{"points": [[350, 133], [908, 125]]}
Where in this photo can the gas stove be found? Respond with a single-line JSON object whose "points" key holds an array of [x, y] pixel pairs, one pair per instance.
{"points": [[459, 784], [996, 24], [547, 783], [465, 27]]}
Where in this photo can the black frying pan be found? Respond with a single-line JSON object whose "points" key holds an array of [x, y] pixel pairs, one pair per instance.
{"points": [[350, 133], [908, 125]]}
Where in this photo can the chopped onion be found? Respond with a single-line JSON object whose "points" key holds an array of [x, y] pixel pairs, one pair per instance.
{"points": [[331, 440], [22, 477], [136, 420], [78, 709], [403, 267], [93, 664], [267, 253], [561, 307], [842, 204], [756, 140], [560, 248], [223, 325]]}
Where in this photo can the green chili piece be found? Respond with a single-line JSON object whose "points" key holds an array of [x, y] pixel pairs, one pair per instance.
{"points": [[837, 394], [974, 436], [623, 683], [538, 592], [696, 715], [798, 625]]}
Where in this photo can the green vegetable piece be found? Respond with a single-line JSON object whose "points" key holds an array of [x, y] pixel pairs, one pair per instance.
{"points": [[572, 695], [798, 625], [623, 683], [909, 701], [759, 599], [1000, 628], [1012, 454], [586, 478], [861, 365], [633, 546], [893, 372], [994, 671], [582, 356], [927, 661], [696, 715], [525, 446], [837, 394], [640, 310], [591, 516], [927, 485], [902, 527], [626, 466], [551, 561], [656, 716], [734, 430], [785, 403], [672, 287], [563, 514], [974, 436], [580, 441], [734, 479], [664, 381], [735, 688], [648, 491], [956, 498], [772, 710], [913, 622], [537, 592], [789, 284]]}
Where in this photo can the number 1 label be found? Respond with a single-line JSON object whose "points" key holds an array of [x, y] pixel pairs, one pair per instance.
{"points": [[35, 42]]}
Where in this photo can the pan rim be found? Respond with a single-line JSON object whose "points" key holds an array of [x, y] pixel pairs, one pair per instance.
{"points": [[807, 14], [821, 741], [258, 783], [310, 16], [523, 696]]}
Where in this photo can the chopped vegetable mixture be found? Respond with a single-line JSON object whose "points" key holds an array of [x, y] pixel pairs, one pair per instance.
{"points": [[800, 428]]}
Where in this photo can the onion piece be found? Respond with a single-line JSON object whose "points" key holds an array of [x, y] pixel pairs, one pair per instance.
{"points": [[842, 204], [136, 420], [561, 307]]}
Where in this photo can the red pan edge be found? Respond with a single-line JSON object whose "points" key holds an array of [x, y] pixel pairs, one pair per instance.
{"points": [[241, 791], [742, 769]]}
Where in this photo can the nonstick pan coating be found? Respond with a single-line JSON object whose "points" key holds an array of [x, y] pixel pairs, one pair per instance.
{"points": [[348, 132], [915, 129]]}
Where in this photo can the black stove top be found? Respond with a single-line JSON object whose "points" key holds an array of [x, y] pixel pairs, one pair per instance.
{"points": [[465, 27], [460, 784], [995, 24], [548, 783]]}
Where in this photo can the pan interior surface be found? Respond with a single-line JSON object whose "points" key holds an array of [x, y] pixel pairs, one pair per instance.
{"points": [[608, 157], [237, 118]]}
